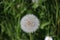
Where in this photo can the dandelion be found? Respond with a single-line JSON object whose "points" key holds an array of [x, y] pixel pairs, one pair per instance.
{"points": [[29, 23], [48, 38]]}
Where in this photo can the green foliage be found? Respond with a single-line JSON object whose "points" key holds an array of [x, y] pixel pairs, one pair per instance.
{"points": [[11, 12]]}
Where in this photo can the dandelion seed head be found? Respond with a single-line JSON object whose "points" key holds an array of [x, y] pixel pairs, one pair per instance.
{"points": [[29, 23], [48, 38]]}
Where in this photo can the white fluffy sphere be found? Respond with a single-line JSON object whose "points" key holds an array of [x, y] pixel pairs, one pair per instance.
{"points": [[29, 23], [48, 38]]}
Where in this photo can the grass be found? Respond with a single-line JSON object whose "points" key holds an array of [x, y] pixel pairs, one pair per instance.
{"points": [[11, 12]]}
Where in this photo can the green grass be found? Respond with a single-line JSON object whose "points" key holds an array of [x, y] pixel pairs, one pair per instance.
{"points": [[11, 12]]}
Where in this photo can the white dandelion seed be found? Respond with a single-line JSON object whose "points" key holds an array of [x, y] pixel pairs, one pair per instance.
{"points": [[29, 23], [48, 38]]}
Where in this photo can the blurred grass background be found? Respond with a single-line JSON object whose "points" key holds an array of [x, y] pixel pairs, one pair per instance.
{"points": [[11, 12]]}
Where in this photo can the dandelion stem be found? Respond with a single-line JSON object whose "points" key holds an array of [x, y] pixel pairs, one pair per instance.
{"points": [[57, 14], [30, 36]]}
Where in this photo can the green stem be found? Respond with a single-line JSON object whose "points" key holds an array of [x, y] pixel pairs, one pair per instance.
{"points": [[57, 10], [30, 36]]}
